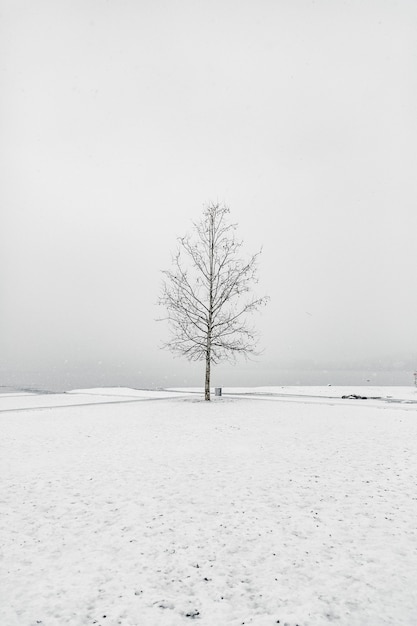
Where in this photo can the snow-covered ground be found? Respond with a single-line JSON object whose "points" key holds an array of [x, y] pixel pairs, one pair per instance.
{"points": [[8, 401], [240, 511], [397, 393]]}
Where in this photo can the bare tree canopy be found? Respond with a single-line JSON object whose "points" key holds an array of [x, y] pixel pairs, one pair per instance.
{"points": [[207, 294]]}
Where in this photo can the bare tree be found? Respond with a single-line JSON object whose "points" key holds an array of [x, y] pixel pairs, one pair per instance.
{"points": [[207, 294]]}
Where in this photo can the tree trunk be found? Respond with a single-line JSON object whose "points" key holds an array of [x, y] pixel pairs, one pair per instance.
{"points": [[207, 382], [210, 309]]}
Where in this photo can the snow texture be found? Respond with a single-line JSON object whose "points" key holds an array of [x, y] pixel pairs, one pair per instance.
{"points": [[240, 511]]}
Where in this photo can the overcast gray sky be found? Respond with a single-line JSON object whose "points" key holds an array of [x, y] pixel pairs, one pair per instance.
{"points": [[121, 119]]}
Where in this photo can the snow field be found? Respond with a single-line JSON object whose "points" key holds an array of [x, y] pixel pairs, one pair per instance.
{"points": [[228, 513]]}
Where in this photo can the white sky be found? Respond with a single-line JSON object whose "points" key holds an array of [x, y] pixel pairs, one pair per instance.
{"points": [[121, 119]]}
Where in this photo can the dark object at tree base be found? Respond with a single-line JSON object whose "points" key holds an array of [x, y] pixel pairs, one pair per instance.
{"points": [[353, 396]]}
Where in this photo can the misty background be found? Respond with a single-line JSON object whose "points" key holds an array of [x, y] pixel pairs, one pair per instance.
{"points": [[121, 119]]}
